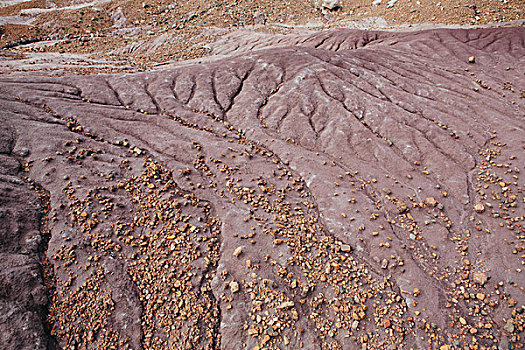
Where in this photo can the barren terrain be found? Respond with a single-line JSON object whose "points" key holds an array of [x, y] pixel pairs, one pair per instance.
{"points": [[262, 187]]}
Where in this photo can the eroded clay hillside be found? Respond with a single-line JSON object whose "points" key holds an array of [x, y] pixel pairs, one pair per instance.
{"points": [[338, 190]]}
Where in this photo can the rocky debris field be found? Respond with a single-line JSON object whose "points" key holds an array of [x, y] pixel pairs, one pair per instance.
{"points": [[122, 36], [343, 189]]}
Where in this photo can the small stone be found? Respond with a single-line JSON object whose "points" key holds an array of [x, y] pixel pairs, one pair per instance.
{"points": [[387, 323], [355, 324], [346, 248], [479, 277], [445, 347], [462, 321], [431, 201], [402, 207], [479, 208], [509, 326], [471, 59], [234, 286], [237, 251], [480, 296], [285, 305], [23, 152], [384, 264]]}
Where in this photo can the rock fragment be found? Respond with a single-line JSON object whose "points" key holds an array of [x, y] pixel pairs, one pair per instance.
{"points": [[509, 326], [479, 208], [346, 248], [285, 305], [431, 201], [384, 264], [237, 251], [391, 4], [479, 277], [402, 207], [234, 286]]}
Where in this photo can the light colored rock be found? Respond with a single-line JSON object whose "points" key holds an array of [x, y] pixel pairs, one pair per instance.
{"points": [[384, 264], [391, 4], [509, 326], [479, 208], [285, 305], [479, 277], [402, 207], [346, 248], [237, 251], [234, 286], [431, 201]]}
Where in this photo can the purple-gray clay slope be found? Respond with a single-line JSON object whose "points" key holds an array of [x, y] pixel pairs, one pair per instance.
{"points": [[347, 190]]}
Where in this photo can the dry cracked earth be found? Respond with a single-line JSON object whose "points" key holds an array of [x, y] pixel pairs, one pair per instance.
{"points": [[344, 189]]}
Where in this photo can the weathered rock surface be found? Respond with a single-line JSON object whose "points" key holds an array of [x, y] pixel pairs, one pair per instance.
{"points": [[23, 298], [155, 180]]}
